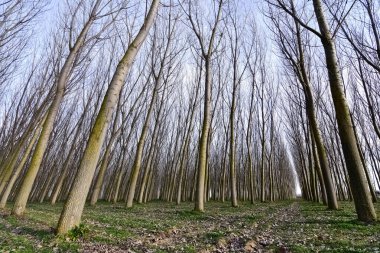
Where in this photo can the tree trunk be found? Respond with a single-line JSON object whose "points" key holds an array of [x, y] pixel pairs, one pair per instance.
{"points": [[74, 205], [202, 157], [332, 202], [234, 201], [24, 159], [140, 146], [26, 186], [359, 185], [314, 126]]}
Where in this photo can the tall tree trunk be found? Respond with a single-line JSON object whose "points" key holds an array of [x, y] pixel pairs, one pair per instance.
{"points": [[74, 205], [26, 186], [359, 185], [203, 142], [233, 186], [202, 157], [312, 119]]}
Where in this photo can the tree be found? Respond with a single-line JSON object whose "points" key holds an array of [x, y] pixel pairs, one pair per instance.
{"points": [[234, 44], [207, 48], [296, 59], [16, 27], [359, 185], [74, 205], [160, 78], [61, 82]]}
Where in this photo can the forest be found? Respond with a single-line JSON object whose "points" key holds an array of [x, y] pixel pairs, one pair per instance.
{"points": [[189, 125]]}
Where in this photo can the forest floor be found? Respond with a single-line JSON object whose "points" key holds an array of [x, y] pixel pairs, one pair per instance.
{"points": [[288, 226]]}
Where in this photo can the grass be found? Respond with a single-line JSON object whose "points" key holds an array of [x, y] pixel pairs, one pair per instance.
{"points": [[214, 236], [165, 227]]}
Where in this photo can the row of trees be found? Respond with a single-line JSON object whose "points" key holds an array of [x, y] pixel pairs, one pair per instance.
{"points": [[178, 101], [294, 31]]}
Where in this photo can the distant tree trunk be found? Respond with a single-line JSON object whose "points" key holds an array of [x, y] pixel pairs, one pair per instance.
{"points": [[159, 80], [18, 169], [234, 39], [65, 166], [299, 65], [330, 189], [319, 172], [262, 164], [140, 146], [151, 151], [10, 162], [74, 205], [186, 143], [102, 170], [233, 188], [119, 177]]}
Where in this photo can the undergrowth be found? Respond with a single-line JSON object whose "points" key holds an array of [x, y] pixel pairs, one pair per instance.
{"points": [[295, 226]]}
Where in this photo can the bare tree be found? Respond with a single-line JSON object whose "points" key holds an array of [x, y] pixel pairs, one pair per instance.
{"points": [[206, 41], [74, 205]]}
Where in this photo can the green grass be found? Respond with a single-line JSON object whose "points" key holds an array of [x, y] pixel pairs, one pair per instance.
{"points": [[165, 227], [214, 236]]}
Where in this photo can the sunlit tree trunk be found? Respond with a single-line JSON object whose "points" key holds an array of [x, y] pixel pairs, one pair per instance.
{"points": [[19, 167], [106, 157], [74, 205], [63, 77]]}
